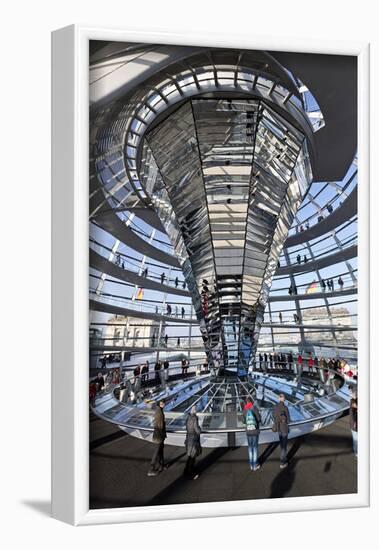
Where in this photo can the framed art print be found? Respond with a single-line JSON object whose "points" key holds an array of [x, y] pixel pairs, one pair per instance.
{"points": [[210, 275]]}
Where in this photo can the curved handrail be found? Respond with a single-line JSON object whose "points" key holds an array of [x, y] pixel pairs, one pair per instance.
{"points": [[173, 415]]}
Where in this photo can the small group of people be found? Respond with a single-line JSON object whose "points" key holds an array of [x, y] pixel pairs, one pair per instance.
{"points": [[287, 360], [320, 218], [163, 278], [119, 261], [169, 311], [298, 259], [252, 421], [142, 371], [110, 358], [102, 381], [192, 443], [329, 283]]}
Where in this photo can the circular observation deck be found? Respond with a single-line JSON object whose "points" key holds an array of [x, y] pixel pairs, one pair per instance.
{"points": [[314, 400]]}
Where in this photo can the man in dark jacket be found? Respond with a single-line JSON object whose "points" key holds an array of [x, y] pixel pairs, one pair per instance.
{"points": [[281, 420], [252, 421], [159, 435], [192, 443]]}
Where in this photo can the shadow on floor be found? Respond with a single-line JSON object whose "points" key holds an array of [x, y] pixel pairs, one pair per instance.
{"points": [[43, 507], [285, 479], [283, 482], [267, 453], [201, 466]]}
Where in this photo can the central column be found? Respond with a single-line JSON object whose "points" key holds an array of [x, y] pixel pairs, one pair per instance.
{"points": [[226, 177]]}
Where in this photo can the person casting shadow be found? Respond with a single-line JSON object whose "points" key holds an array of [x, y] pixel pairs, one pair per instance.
{"points": [[192, 443]]}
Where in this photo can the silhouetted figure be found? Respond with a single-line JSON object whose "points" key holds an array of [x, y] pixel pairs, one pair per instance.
{"points": [[166, 340], [163, 277], [305, 259], [340, 282], [298, 259], [192, 443], [183, 365], [353, 416], [183, 311], [280, 317], [159, 435], [176, 282], [281, 420], [323, 285], [157, 369]]}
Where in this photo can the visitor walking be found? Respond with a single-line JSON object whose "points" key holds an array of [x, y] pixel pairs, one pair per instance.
{"points": [[354, 421], [159, 435], [192, 443], [252, 421], [281, 421]]}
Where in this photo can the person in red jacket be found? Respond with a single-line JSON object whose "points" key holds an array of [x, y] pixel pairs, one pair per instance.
{"points": [[310, 363]]}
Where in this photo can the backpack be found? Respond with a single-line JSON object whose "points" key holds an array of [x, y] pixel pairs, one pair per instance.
{"points": [[251, 421]]}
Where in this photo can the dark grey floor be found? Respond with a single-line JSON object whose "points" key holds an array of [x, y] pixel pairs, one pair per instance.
{"points": [[320, 464]]}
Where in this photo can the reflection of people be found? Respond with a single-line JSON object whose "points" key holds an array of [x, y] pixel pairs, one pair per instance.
{"points": [[192, 443], [159, 435], [252, 420], [354, 421], [282, 419], [99, 382]]}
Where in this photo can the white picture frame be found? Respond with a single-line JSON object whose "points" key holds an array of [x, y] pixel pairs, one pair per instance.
{"points": [[70, 343]]}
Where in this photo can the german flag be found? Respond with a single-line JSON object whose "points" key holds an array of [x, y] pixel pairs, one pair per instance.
{"points": [[313, 287], [139, 295]]}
